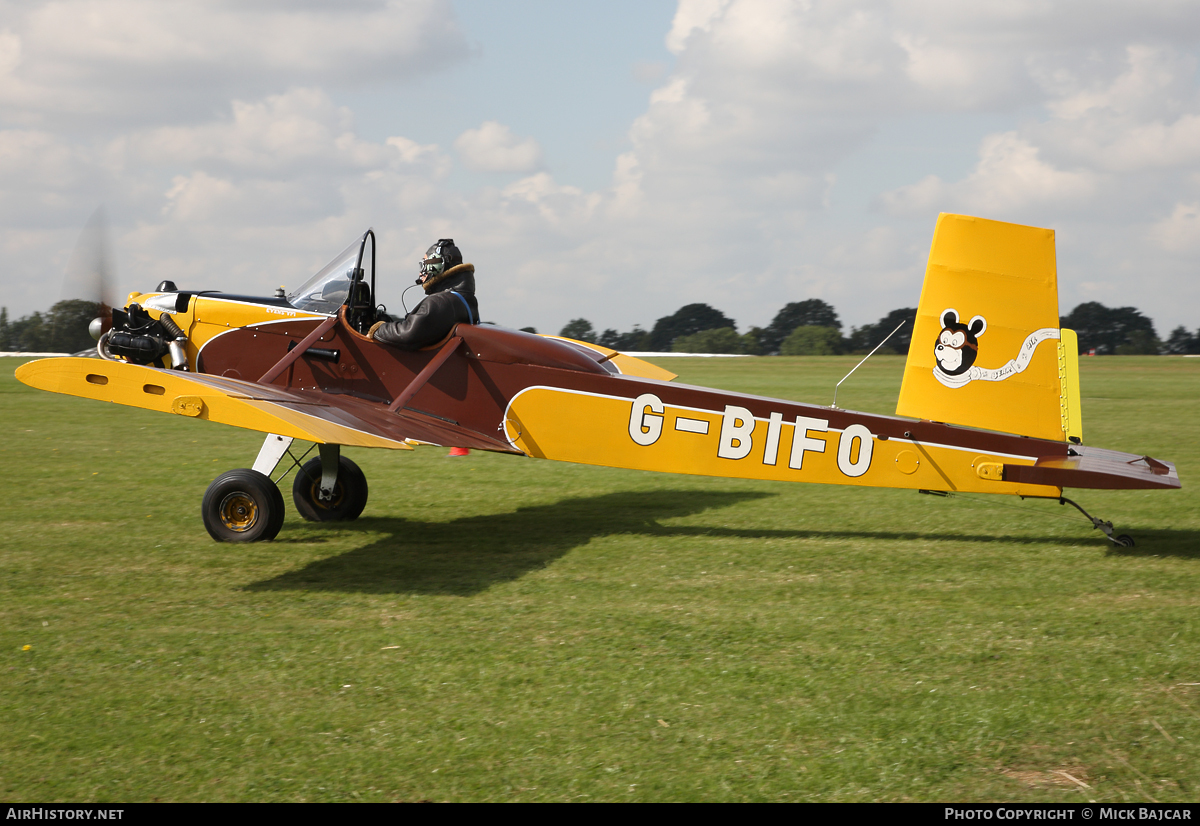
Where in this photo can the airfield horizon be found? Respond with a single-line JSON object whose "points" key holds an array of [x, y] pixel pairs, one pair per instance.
{"points": [[498, 628]]}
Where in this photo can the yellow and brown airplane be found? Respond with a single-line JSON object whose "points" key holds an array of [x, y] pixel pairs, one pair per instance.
{"points": [[989, 402]]}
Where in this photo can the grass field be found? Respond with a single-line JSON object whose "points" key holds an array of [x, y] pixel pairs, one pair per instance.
{"points": [[498, 628]]}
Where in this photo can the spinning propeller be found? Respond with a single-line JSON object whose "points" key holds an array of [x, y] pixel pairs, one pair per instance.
{"points": [[89, 275]]}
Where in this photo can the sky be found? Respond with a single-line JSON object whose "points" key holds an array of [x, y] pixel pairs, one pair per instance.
{"points": [[607, 160]]}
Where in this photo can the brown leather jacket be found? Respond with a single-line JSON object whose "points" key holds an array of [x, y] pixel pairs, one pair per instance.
{"points": [[450, 300]]}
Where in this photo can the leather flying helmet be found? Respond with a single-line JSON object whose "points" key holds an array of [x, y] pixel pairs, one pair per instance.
{"points": [[438, 258]]}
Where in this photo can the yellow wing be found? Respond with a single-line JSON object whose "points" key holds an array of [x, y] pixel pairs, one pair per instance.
{"points": [[627, 365], [309, 415]]}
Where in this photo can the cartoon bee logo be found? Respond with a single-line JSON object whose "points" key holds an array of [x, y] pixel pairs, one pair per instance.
{"points": [[958, 344]]}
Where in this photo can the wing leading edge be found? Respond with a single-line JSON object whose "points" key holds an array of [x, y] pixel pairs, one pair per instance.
{"points": [[324, 418]]}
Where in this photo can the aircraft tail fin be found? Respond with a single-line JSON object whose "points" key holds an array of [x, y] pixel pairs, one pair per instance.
{"points": [[986, 348]]}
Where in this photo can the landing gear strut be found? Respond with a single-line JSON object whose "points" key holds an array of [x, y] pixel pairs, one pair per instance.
{"points": [[1123, 541]]}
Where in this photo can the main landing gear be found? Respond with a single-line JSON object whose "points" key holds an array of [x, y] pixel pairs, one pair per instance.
{"points": [[242, 505], [344, 502], [245, 505]]}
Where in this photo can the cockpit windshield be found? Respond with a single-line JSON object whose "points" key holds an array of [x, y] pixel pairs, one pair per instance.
{"points": [[326, 291]]}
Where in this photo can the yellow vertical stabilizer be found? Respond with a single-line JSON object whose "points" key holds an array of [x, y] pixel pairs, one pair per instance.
{"points": [[986, 347]]}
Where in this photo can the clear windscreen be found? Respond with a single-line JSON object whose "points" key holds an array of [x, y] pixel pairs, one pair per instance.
{"points": [[326, 291]]}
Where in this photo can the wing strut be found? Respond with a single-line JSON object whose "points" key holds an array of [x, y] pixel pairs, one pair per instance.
{"points": [[309, 340], [426, 374]]}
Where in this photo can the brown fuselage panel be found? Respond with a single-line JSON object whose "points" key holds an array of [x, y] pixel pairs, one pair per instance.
{"points": [[473, 387], [471, 390]]}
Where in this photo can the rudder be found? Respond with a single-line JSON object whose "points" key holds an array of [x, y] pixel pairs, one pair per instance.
{"points": [[986, 349]]}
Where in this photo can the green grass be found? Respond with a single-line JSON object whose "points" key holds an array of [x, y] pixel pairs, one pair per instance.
{"points": [[497, 628]]}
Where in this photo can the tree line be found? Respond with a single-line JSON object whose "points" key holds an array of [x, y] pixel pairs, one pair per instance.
{"points": [[800, 328], [61, 329], [809, 327], [812, 328]]}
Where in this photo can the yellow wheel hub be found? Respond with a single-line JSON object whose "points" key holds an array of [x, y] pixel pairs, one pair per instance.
{"points": [[334, 500], [239, 511]]}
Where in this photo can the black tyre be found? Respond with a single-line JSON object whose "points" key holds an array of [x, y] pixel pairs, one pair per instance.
{"points": [[349, 493], [1125, 540], [242, 506]]}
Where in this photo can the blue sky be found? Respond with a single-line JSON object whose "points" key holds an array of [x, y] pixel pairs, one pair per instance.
{"points": [[567, 72], [607, 160]]}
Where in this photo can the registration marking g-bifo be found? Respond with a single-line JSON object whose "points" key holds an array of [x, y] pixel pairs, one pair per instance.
{"points": [[768, 420]]}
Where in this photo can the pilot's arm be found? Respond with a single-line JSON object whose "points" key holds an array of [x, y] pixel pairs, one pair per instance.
{"points": [[449, 285], [428, 323]]}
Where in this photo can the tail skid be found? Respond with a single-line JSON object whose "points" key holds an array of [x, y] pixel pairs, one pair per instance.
{"points": [[1122, 541]]}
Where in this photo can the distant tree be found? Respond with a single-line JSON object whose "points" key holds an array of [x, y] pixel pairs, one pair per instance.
{"points": [[856, 342], [721, 340], [810, 340], [688, 319], [811, 313], [1104, 329], [68, 322], [752, 342], [901, 341], [864, 339], [621, 341], [63, 329], [636, 340], [529, 330], [579, 329], [1140, 343], [1182, 343], [29, 334]]}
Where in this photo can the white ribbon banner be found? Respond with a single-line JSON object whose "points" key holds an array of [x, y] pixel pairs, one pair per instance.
{"points": [[1013, 366]]}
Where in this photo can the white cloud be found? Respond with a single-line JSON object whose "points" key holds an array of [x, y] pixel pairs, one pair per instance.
{"points": [[297, 132], [120, 61], [735, 152], [1181, 231], [494, 148], [41, 175], [203, 199], [10, 52], [1009, 177], [236, 169], [691, 15], [1147, 117]]}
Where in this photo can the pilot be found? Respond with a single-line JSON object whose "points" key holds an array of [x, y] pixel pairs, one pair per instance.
{"points": [[449, 286]]}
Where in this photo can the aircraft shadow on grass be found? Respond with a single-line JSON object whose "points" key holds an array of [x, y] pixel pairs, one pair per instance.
{"points": [[469, 555], [1179, 544]]}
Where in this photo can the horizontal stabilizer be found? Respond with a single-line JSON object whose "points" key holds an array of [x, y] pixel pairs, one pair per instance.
{"points": [[1090, 467]]}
